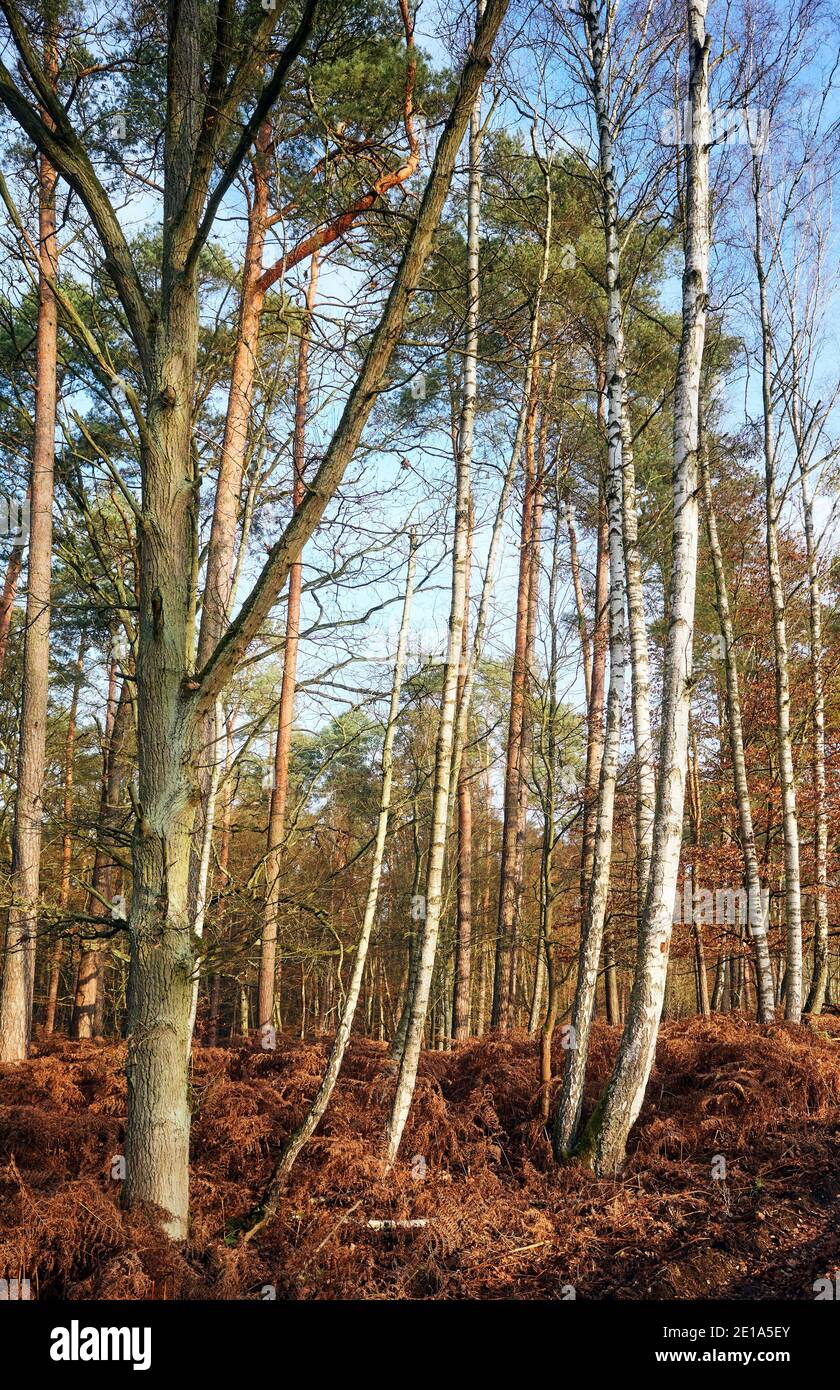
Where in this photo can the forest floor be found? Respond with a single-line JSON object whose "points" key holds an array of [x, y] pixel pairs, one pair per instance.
{"points": [[502, 1220]]}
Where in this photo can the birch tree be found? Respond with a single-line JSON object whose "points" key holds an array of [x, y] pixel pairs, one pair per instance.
{"points": [[603, 1143]]}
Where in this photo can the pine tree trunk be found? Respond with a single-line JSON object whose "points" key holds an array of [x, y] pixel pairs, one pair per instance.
{"points": [[22, 924]]}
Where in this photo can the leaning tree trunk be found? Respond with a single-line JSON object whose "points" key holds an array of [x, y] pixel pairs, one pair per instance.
{"points": [[22, 925], [604, 1141], [315, 1113]]}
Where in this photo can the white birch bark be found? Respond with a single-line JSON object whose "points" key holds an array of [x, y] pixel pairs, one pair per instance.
{"points": [[819, 979], [567, 1116], [214, 748], [443, 778], [619, 439], [787, 783], [757, 922], [802, 439], [604, 1142]]}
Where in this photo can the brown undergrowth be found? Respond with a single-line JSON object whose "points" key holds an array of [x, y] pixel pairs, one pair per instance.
{"points": [[502, 1221]]}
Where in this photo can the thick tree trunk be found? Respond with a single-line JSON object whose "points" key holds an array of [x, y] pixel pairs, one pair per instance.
{"points": [[22, 925]]}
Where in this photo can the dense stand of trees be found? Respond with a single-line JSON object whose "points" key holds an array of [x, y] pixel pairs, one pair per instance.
{"points": [[422, 617]]}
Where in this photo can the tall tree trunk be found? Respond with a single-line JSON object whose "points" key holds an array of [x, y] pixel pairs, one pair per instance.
{"points": [[89, 981], [172, 703], [604, 1141], [409, 1061], [218, 587], [757, 923], [285, 718], [695, 815], [22, 926], [463, 904], [513, 827], [313, 1116], [224, 858], [7, 599], [787, 783], [567, 1117], [597, 681], [66, 839], [819, 979]]}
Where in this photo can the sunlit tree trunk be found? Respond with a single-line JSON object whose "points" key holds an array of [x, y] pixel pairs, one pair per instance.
{"points": [[267, 987], [604, 1141], [513, 828], [757, 923], [22, 924], [787, 782], [464, 870], [567, 1117], [410, 1058], [819, 979]]}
